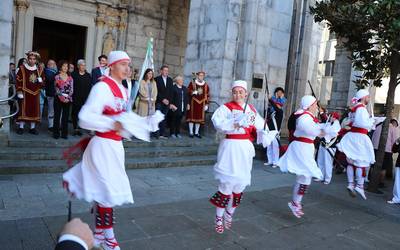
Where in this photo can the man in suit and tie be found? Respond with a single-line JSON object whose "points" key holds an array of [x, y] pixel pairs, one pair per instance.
{"points": [[100, 70], [164, 96]]}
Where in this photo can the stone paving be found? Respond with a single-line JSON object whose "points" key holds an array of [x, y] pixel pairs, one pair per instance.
{"points": [[172, 212]]}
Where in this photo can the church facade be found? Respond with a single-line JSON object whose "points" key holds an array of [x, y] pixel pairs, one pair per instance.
{"points": [[260, 41]]}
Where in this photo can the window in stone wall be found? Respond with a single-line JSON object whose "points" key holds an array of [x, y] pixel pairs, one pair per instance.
{"points": [[329, 67], [332, 35]]}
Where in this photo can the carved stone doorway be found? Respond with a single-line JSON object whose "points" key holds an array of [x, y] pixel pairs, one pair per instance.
{"points": [[58, 40]]}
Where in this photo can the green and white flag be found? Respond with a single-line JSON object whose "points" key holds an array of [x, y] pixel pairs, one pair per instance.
{"points": [[148, 63]]}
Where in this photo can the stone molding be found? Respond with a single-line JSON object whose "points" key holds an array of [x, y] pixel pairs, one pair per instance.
{"points": [[22, 5]]}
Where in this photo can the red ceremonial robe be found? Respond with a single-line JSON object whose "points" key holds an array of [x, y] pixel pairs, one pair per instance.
{"points": [[196, 113], [29, 106]]}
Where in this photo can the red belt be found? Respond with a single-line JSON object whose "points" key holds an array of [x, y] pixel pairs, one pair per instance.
{"points": [[303, 139], [238, 136], [109, 135], [359, 130]]}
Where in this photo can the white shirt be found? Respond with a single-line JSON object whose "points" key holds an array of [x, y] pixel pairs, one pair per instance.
{"points": [[362, 119], [165, 80], [102, 70]]}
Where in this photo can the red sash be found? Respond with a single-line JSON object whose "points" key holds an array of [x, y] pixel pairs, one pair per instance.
{"points": [[109, 111], [359, 130], [251, 132], [356, 129], [303, 139]]}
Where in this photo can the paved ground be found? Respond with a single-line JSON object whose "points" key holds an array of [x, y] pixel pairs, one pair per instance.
{"points": [[172, 212]]}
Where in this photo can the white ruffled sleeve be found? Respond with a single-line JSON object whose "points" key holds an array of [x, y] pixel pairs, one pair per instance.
{"points": [[308, 126], [138, 126], [259, 122], [331, 130], [264, 137], [91, 115], [362, 119], [223, 120]]}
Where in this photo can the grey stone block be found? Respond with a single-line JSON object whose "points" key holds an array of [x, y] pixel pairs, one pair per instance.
{"points": [[159, 225]]}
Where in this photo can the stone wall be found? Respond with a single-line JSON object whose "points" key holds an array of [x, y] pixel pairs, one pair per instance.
{"points": [[146, 18], [264, 44], [326, 53], [233, 39], [341, 79], [175, 37], [211, 43], [5, 53], [165, 21], [304, 51]]}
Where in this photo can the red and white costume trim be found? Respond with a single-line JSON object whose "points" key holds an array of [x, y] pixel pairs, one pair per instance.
{"points": [[101, 176], [299, 157], [235, 156], [356, 144], [236, 151]]}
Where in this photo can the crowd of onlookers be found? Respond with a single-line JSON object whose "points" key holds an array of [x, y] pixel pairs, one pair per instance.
{"points": [[67, 86]]}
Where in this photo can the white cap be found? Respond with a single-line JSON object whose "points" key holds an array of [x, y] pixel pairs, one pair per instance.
{"points": [[117, 56], [239, 83], [307, 101], [361, 94]]}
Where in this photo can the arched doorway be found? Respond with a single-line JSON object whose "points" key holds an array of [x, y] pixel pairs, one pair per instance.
{"points": [[58, 40]]}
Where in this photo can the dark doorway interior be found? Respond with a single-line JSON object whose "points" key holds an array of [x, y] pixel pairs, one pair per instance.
{"points": [[59, 41]]}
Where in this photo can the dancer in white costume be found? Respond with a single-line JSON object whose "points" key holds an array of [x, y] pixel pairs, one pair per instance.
{"points": [[324, 159], [356, 144], [100, 177], [241, 124], [396, 185], [299, 158]]}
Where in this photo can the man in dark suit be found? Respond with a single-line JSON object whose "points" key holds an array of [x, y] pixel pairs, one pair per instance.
{"points": [[100, 70], [164, 96], [75, 235]]}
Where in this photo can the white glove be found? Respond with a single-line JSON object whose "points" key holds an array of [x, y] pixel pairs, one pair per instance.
{"points": [[265, 137], [241, 120], [65, 95], [20, 95], [195, 92], [205, 107]]}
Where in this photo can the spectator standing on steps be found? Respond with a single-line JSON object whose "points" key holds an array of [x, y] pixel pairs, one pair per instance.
{"points": [[64, 90], [164, 95], [81, 89]]}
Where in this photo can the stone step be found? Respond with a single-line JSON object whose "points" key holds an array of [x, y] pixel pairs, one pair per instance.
{"points": [[55, 166], [12, 153], [60, 143]]}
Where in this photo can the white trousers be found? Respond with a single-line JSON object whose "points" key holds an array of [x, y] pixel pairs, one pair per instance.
{"points": [[229, 188], [396, 187], [273, 152], [300, 180], [325, 162]]}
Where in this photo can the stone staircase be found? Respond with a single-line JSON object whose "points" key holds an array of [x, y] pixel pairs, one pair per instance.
{"points": [[42, 154]]}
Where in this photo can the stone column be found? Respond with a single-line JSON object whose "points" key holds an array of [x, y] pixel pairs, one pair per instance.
{"points": [[22, 6], [122, 33], [6, 7], [341, 79], [212, 43], [100, 22]]}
